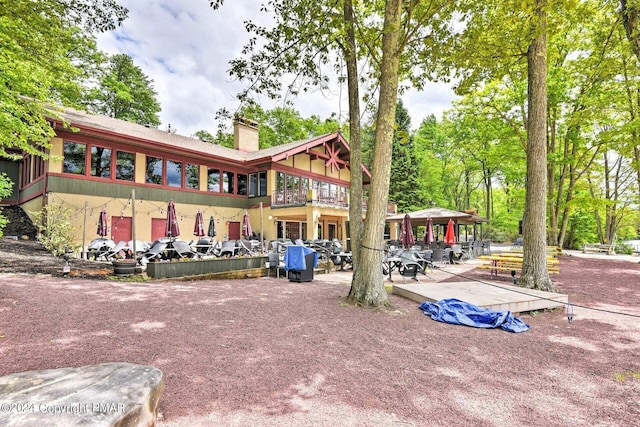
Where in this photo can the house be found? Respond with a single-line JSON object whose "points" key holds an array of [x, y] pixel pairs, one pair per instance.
{"points": [[296, 190]]}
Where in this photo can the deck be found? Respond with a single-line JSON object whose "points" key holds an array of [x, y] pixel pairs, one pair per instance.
{"points": [[498, 297]]}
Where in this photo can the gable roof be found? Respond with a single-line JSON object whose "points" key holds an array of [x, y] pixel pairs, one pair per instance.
{"points": [[116, 129]]}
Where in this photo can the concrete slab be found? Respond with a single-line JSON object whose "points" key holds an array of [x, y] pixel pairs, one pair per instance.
{"points": [[493, 296]]}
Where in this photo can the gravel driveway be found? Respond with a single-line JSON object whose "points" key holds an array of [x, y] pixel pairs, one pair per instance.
{"points": [[270, 352]]}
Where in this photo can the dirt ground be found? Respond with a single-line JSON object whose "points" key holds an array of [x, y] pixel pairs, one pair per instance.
{"points": [[270, 352]]}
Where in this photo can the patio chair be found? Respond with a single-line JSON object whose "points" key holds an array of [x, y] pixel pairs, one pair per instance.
{"points": [[156, 251], [275, 262], [184, 250], [437, 255], [118, 252], [228, 248], [98, 248], [457, 254]]}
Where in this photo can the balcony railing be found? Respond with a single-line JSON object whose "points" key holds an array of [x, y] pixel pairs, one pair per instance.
{"points": [[321, 196]]}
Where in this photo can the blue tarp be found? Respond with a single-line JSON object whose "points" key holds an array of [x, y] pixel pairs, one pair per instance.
{"points": [[458, 312], [294, 258]]}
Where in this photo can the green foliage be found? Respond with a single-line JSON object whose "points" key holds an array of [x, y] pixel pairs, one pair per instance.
{"points": [[5, 190], [41, 43], [57, 228], [125, 92]]}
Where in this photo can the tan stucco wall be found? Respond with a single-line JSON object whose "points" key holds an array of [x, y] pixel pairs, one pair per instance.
{"points": [[56, 153], [140, 167]]}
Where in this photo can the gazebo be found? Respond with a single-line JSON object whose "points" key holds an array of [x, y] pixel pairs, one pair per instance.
{"points": [[440, 217]]}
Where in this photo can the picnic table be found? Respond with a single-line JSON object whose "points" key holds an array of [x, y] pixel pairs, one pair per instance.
{"points": [[512, 263], [553, 251]]}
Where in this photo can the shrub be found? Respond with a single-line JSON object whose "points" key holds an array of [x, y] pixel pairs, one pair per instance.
{"points": [[56, 229], [5, 190]]}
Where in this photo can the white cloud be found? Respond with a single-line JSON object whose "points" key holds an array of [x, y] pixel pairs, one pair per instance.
{"points": [[185, 48]]}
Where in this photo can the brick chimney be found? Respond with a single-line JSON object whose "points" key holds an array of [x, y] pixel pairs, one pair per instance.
{"points": [[245, 134]]}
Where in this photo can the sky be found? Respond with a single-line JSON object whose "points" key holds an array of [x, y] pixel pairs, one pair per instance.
{"points": [[185, 47]]}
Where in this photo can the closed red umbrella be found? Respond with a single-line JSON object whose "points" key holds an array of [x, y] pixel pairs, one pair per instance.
{"points": [[198, 228], [246, 226], [406, 232], [103, 230], [172, 229], [450, 236], [428, 235]]}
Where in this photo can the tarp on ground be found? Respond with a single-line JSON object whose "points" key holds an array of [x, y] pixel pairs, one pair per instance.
{"points": [[458, 312]]}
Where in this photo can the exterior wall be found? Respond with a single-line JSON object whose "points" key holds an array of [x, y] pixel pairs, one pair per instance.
{"points": [[56, 156], [32, 206]]}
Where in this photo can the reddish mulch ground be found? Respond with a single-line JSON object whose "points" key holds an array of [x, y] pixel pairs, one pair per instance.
{"points": [[272, 352]]}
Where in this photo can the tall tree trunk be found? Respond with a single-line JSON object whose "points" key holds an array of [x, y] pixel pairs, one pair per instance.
{"points": [[355, 201], [535, 273], [368, 287]]}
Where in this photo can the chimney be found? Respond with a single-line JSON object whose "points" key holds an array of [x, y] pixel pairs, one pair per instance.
{"points": [[245, 134]]}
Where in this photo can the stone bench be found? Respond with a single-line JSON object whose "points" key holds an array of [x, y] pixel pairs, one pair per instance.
{"points": [[110, 394], [598, 247]]}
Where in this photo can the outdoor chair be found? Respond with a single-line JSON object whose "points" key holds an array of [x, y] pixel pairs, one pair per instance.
{"points": [[118, 252], [275, 262], [437, 256], [228, 248], [457, 254], [99, 248], [156, 251], [184, 250]]}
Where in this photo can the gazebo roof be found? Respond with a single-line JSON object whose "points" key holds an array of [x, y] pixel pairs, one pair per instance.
{"points": [[439, 216]]}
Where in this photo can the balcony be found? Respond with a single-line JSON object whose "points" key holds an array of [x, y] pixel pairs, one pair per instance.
{"points": [[288, 198]]}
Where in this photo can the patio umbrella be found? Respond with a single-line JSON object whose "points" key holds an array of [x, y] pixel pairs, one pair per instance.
{"points": [[406, 232], [172, 229], [246, 226], [211, 231], [102, 223], [198, 228], [428, 235], [450, 236]]}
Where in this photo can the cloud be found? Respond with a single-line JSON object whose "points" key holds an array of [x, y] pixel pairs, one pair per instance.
{"points": [[185, 48]]}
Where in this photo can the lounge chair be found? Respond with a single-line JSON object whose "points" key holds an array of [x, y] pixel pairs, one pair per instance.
{"points": [[183, 249], [156, 251], [118, 252]]}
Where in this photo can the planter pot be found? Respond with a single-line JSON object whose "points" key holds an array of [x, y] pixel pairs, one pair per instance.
{"points": [[164, 270], [124, 267]]}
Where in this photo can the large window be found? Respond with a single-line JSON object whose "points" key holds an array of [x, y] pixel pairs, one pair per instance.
{"points": [[125, 165], [74, 157], [242, 185], [192, 176], [213, 180], [100, 162], [258, 184], [154, 170], [227, 182], [174, 173]]}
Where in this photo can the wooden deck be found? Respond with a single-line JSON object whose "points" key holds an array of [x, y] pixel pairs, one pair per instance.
{"points": [[498, 297]]}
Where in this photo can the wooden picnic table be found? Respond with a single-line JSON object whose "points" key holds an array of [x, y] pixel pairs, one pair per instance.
{"points": [[512, 262]]}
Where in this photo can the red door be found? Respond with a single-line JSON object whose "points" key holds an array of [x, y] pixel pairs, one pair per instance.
{"points": [[234, 231], [120, 228], [158, 226]]}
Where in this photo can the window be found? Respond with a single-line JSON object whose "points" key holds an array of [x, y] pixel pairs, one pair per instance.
{"points": [[174, 173], [154, 170], [253, 185], [100, 162], [213, 180], [125, 163], [242, 185], [262, 177], [192, 176], [227, 182], [280, 181], [74, 158]]}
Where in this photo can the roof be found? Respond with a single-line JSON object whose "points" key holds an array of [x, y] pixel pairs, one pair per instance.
{"points": [[115, 128], [438, 215]]}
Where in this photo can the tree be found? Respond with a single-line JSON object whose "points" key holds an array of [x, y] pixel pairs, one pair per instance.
{"points": [[125, 92], [404, 188], [40, 41]]}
